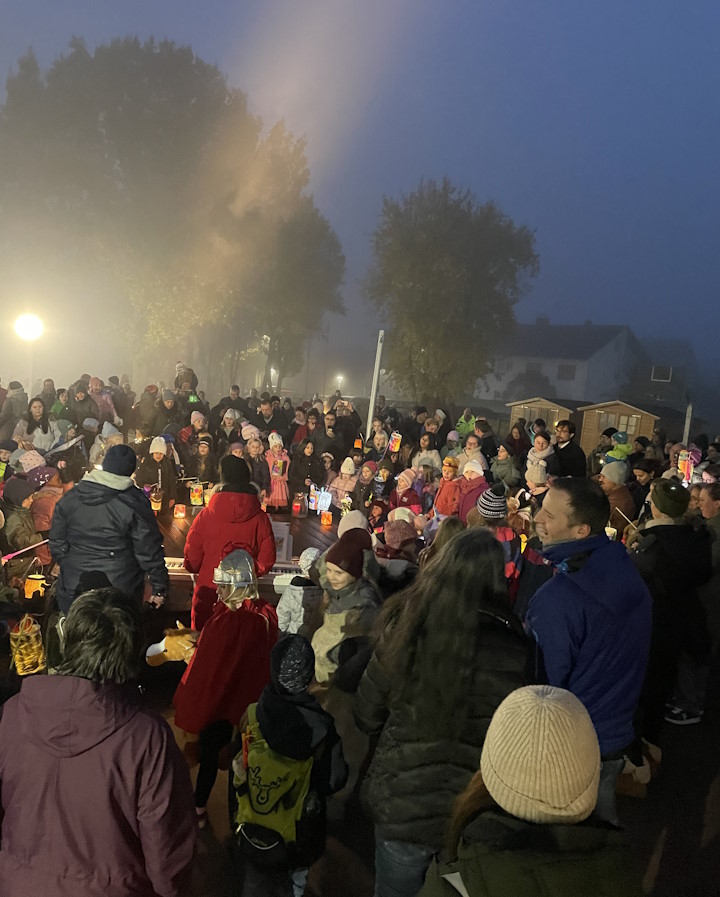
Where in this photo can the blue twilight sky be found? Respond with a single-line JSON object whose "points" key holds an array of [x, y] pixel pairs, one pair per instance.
{"points": [[597, 124]]}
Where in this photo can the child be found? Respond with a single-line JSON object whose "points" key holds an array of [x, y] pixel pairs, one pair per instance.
{"points": [[7, 447], [108, 437], [362, 495], [204, 465], [158, 468], [472, 485], [259, 471], [452, 447], [404, 495], [308, 753], [300, 598], [19, 530], [229, 669], [278, 462], [305, 469], [447, 497], [344, 483], [328, 463]]}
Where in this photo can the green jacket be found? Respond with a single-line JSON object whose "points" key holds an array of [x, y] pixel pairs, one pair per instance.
{"points": [[505, 472], [519, 859], [20, 533], [465, 427]]}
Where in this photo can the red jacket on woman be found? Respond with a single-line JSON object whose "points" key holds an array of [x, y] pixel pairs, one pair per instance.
{"points": [[231, 520]]}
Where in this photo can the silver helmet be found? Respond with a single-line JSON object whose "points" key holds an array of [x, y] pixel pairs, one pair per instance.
{"points": [[236, 569]]}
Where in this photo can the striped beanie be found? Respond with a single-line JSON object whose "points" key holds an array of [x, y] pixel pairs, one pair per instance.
{"points": [[492, 505]]}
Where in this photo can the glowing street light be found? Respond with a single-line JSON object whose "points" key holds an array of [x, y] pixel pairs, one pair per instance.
{"points": [[29, 327], [339, 380]]}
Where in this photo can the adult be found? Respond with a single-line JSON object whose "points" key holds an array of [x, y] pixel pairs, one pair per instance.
{"points": [[82, 403], [571, 458], [325, 438], [348, 425], [450, 652], [35, 429], [48, 393], [411, 426], [542, 450], [503, 467], [519, 442], [185, 374], [96, 797], [234, 400], [471, 452], [233, 519], [106, 523], [486, 436], [465, 424], [622, 506], [104, 401], [592, 620], [167, 413], [13, 408], [269, 420], [523, 824]]}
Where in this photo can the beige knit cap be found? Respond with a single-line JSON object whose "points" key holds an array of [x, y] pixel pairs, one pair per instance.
{"points": [[541, 759]]}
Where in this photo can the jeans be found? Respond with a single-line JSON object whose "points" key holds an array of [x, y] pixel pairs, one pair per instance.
{"points": [[606, 807], [400, 867]]}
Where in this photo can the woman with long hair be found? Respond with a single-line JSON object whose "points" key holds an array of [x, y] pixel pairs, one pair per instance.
{"points": [[35, 430], [449, 652]]}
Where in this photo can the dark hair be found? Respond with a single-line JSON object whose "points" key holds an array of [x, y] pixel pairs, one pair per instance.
{"points": [[448, 529], [431, 629], [588, 502], [539, 422], [647, 466], [482, 425], [274, 398], [313, 412], [235, 386], [59, 392], [702, 441], [545, 435], [104, 637], [712, 489], [265, 402], [566, 423], [32, 424], [713, 470]]}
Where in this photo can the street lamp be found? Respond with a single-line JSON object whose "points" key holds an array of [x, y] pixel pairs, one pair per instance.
{"points": [[273, 373], [29, 328], [339, 380]]}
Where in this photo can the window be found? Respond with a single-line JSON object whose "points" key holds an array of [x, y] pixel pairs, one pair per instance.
{"points": [[534, 367], [661, 373], [607, 420], [629, 424], [566, 372]]}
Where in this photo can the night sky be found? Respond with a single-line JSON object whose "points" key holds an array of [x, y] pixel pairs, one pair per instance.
{"points": [[596, 124]]}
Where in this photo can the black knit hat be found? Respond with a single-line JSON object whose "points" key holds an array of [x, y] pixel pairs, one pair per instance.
{"points": [[292, 664], [121, 460], [235, 471]]}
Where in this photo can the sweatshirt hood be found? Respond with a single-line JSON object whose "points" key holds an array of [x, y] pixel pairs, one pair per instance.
{"points": [[65, 716], [234, 507], [98, 486], [293, 725]]}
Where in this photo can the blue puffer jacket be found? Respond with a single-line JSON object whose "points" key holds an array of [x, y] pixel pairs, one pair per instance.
{"points": [[593, 622]]}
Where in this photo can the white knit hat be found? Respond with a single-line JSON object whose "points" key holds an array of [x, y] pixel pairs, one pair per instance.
{"points": [[158, 445], [615, 471], [541, 758], [275, 439], [250, 432], [475, 465], [536, 472], [347, 468]]}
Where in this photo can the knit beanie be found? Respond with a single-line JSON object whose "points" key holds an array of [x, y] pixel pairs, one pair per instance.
{"points": [[168, 395], [347, 552], [453, 435], [250, 432], [17, 490], [451, 462], [620, 438], [352, 520], [307, 559], [196, 416], [90, 423], [386, 464], [399, 533], [234, 446], [536, 472], [39, 476], [492, 504], [158, 445], [440, 415], [108, 430], [235, 471], [292, 664], [14, 384], [62, 425], [275, 439], [9, 445], [347, 467], [207, 439], [541, 759], [508, 448], [643, 441], [30, 460], [372, 465], [670, 497], [476, 466], [615, 471], [406, 478], [610, 432], [121, 460]]}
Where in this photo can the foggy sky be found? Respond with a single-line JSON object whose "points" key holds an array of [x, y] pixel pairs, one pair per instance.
{"points": [[595, 124]]}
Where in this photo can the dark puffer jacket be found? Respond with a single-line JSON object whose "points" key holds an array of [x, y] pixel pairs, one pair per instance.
{"points": [[106, 523], [414, 778]]}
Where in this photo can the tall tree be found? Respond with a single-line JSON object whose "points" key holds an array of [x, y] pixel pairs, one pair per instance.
{"points": [[445, 276], [136, 175]]}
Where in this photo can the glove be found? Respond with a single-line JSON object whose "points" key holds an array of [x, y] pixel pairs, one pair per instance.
{"points": [[118, 422]]}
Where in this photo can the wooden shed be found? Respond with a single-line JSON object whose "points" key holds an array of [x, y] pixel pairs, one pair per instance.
{"points": [[550, 410], [596, 418]]}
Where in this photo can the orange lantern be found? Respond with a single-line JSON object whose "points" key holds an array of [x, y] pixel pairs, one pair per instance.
{"points": [[179, 511], [326, 518]]}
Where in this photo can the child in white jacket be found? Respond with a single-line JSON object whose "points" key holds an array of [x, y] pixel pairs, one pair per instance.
{"points": [[300, 598]]}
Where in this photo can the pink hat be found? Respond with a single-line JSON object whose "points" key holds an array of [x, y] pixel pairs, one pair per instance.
{"points": [[30, 460]]}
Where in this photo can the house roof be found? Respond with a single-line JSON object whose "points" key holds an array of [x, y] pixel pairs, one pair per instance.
{"points": [[597, 406], [566, 341], [668, 351]]}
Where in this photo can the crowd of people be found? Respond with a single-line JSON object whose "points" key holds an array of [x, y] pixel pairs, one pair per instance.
{"points": [[487, 652]]}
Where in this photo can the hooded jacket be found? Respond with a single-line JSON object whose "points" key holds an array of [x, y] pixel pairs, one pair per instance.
{"points": [[231, 520], [106, 523], [593, 622], [96, 796], [13, 408]]}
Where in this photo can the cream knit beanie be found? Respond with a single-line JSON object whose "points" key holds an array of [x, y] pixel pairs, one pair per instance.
{"points": [[541, 759]]}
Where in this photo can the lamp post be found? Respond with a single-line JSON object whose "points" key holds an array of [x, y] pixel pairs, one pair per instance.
{"points": [[29, 328], [339, 380]]}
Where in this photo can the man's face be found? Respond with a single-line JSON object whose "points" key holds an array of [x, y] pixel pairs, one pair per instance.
{"points": [[169, 403], [606, 485], [563, 433], [253, 393], [330, 421], [266, 410], [467, 414], [605, 441], [553, 522], [234, 393], [48, 386], [422, 417], [275, 405], [712, 453], [381, 401]]}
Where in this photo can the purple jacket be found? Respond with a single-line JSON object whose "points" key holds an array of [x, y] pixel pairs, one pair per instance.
{"points": [[96, 796]]}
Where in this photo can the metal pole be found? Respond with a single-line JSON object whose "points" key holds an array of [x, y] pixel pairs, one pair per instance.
{"points": [[688, 421], [376, 377]]}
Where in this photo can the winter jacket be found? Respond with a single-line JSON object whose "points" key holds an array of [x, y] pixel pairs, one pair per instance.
{"points": [[43, 442], [106, 406], [96, 796], [341, 486], [166, 417], [415, 774], [429, 457], [260, 473], [106, 523], [297, 604], [501, 856], [144, 412], [63, 412], [470, 492], [85, 408], [19, 532], [465, 427], [550, 458], [571, 459], [593, 622], [150, 472], [230, 666], [302, 468], [447, 498], [42, 510], [475, 455], [231, 520], [622, 507], [621, 452], [505, 472], [13, 408]]}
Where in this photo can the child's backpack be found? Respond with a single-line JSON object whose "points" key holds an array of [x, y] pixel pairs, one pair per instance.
{"points": [[272, 794]]}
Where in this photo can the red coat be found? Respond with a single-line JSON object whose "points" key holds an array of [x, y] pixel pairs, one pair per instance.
{"points": [[470, 492], [231, 520], [230, 667], [447, 497]]}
